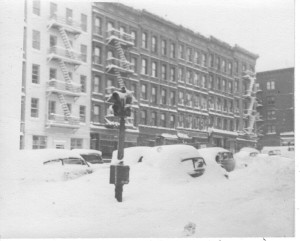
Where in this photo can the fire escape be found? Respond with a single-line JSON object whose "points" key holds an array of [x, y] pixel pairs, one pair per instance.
{"points": [[119, 67], [250, 96], [67, 60]]}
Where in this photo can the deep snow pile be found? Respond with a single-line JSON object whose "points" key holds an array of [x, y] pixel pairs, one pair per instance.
{"points": [[256, 201]]}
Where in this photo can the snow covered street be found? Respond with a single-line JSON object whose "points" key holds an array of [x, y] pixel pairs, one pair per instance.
{"points": [[256, 201]]}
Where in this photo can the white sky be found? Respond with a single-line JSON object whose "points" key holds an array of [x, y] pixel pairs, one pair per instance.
{"points": [[264, 27]]}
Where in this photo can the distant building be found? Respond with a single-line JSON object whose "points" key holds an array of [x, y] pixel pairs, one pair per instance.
{"points": [[189, 88], [276, 107]]}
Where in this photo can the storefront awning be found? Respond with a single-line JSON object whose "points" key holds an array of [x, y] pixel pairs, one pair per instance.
{"points": [[168, 136], [183, 136]]}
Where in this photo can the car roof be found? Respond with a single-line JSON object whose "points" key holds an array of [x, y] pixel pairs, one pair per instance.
{"points": [[86, 151]]}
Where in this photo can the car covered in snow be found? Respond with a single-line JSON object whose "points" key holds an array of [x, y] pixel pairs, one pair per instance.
{"points": [[252, 152], [132, 155], [90, 155], [176, 160], [220, 155], [49, 165]]}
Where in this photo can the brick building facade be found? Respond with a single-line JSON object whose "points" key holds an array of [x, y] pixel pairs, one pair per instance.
{"points": [[276, 107]]}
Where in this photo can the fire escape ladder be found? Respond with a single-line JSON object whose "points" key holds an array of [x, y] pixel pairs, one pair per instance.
{"points": [[65, 38], [120, 51], [66, 75], [64, 106]]}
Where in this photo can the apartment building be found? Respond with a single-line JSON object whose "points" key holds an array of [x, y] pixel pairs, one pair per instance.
{"points": [[276, 107], [56, 72], [190, 88]]}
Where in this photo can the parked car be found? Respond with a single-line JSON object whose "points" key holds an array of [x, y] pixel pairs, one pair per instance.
{"points": [[175, 161], [90, 156], [132, 155], [252, 152], [222, 156], [49, 165]]}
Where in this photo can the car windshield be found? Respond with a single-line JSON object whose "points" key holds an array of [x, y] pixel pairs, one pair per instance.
{"points": [[226, 155], [72, 161], [92, 158]]}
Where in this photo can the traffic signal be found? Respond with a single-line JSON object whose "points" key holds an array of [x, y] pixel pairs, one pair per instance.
{"points": [[116, 100], [122, 101]]}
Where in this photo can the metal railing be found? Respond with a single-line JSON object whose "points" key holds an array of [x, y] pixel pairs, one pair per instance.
{"points": [[56, 119], [63, 86], [125, 65], [64, 21], [120, 35], [71, 54]]}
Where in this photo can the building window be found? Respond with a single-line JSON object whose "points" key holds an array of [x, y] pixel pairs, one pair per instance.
{"points": [[53, 41], [172, 52], [39, 142], [196, 101], [230, 86], [188, 122], [236, 86], [83, 50], [154, 44], [96, 114], [164, 96], [271, 115], [163, 71], [82, 113], [180, 74], [180, 97], [98, 26], [204, 81], [97, 84], [244, 67], [197, 58], [223, 64], [230, 68], [134, 37], [270, 100], [51, 109], [271, 129], [154, 95], [34, 107], [180, 120], [109, 86], [35, 74], [154, 118], [76, 143], [144, 66], [189, 54], [143, 117], [154, 69], [134, 64], [52, 73], [189, 78], [53, 10], [84, 22], [97, 55], [181, 53], [164, 47], [69, 16], [172, 121], [83, 83], [145, 40], [144, 92], [224, 85], [189, 99], [36, 5], [271, 85], [211, 60], [36, 39], [172, 98], [163, 120], [211, 82], [172, 74], [218, 64], [204, 59], [204, 103]]}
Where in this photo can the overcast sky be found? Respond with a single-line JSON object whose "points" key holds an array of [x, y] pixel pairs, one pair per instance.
{"points": [[264, 27]]}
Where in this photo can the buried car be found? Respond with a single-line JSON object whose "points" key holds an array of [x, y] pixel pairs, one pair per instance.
{"points": [[222, 156], [176, 161], [49, 165]]}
